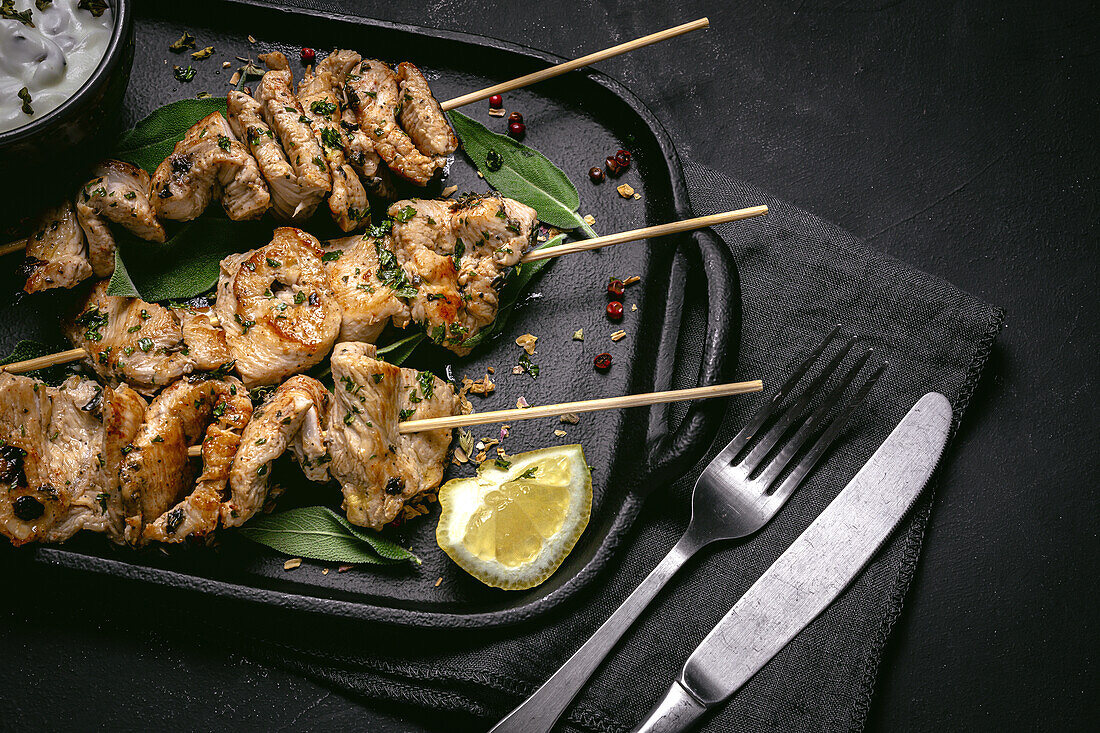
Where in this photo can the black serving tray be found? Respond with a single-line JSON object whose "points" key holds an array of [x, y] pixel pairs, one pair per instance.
{"points": [[576, 120]]}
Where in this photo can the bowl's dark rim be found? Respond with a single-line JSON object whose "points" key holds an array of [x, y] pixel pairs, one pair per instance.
{"points": [[624, 519], [99, 77]]}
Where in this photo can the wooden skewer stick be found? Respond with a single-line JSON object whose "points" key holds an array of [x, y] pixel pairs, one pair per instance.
{"points": [[675, 227], [608, 403], [660, 230], [567, 66], [7, 249]]}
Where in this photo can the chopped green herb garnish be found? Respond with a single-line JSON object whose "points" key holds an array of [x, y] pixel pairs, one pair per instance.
{"points": [[501, 463], [405, 214], [223, 142], [332, 256], [8, 12], [25, 95], [494, 161], [323, 107], [145, 344], [183, 74], [331, 138]]}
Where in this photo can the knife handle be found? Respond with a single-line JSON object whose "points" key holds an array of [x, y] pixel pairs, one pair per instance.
{"points": [[676, 712], [539, 712]]}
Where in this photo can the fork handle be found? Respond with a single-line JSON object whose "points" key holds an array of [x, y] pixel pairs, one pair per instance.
{"points": [[540, 711]]}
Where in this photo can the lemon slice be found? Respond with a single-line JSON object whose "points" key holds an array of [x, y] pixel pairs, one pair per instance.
{"points": [[512, 527]]}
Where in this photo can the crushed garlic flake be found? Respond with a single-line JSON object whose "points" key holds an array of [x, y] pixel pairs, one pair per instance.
{"points": [[292, 563], [438, 581], [632, 279], [527, 343], [589, 220], [559, 433], [578, 335], [570, 418], [618, 335], [449, 191], [625, 190], [497, 112]]}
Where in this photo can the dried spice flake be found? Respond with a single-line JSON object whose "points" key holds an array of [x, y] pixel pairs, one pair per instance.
{"points": [[292, 563], [203, 53], [578, 335], [618, 335], [625, 190], [185, 42], [570, 418], [449, 191], [559, 433], [527, 343]]}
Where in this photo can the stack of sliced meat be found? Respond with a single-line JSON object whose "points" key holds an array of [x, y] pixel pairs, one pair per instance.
{"points": [[349, 124]]}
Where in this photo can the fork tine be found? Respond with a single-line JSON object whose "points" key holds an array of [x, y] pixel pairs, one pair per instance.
{"points": [[795, 478], [745, 434], [794, 411], [811, 424]]}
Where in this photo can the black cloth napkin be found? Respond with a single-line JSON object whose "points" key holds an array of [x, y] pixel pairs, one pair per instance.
{"points": [[800, 275]]}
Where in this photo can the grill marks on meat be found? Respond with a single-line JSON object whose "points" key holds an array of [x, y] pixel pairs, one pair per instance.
{"points": [[277, 309], [373, 93], [118, 193], [56, 256], [209, 161], [59, 451], [366, 303], [156, 474], [284, 114], [292, 417], [318, 94], [458, 253], [421, 115], [377, 468]]}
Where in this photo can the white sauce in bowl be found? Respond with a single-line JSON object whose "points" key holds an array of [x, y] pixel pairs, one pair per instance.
{"points": [[52, 60]]}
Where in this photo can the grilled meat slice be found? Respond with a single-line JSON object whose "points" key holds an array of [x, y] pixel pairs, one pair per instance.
{"points": [[156, 473], [377, 468], [205, 341], [421, 115], [118, 193], [198, 513], [367, 304], [360, 151], [284, 114], [129, 340], [373, 94], [59, 457], [319, 95], [56, 256], [209, 161], [246, 119], [290, 418], [278, 311]]}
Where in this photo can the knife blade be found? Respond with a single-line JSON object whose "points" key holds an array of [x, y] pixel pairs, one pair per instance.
{"points": [[813, 571]]}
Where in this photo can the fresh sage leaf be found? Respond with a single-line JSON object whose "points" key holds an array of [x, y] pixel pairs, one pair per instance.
{"points": [[32, 350], [319, 533], [153, 139], [521, 173], [187, 263], [397, 352], [514, 287]]}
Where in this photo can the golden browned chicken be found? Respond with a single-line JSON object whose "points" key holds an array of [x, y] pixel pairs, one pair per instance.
{"points": [[421, 115], [56, 256], [209, 162], [367, 304], [278, 311], [118, 193], [59, 457]]}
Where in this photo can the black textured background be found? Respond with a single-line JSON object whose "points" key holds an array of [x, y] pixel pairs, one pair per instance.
{"points": [[960, 137]]}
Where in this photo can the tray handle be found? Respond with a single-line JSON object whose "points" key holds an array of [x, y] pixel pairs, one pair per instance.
{"points": [[673, 453]]}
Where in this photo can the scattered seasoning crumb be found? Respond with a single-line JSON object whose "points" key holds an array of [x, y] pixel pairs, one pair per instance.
{"points": [[541, 237], [559, 433], [226, 64], [292, 563], [344, 568], [633, 306], [438, 581], [522, 403], [460, 456], [497, 112], [618, 335], [325, 571], [480, 175], [490, 370], [483, 386], [625, 190], [466, 441], [632, 279], [504, 431], [570, 418], [637, 196], [578, 335], [517, 369], [589, 220], [251, 39], [449, 191], [527, 343], [204, 53], [235, 79]]}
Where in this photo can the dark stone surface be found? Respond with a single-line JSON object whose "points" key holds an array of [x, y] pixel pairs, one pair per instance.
{"points": [[958, 137]]}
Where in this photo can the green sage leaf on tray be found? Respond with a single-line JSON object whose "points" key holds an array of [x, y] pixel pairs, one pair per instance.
{"points": [[25, 350], [513, 289], [153, 139], [522, 173], [187, 263], [397, 352], [319, 533]]}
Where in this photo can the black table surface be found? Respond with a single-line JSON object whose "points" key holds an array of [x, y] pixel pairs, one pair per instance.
{"points": [[958, 136]]}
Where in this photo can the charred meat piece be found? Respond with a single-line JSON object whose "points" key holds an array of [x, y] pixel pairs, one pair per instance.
{"points": [[378, 469], [56, 254], [156, 479], [118, 193], [208, 162], [318, 93], [292, 417], [59, 457], [278, 311], [421, 115], [246, 119], [373, 94], [287, 119], [366, 303]]}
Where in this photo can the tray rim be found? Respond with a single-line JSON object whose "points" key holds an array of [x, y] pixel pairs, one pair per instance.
{"points": [[624, 519]]}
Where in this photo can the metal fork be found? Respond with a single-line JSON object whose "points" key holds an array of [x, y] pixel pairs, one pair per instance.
{"points": [[732, 499]]}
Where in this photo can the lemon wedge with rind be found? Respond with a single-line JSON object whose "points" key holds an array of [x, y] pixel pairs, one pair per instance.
{"points": [[513, 527]]}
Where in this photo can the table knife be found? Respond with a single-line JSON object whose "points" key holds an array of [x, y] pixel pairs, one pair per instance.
{"points": [[812, 572]]}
